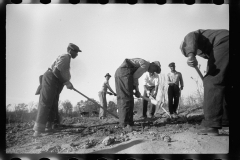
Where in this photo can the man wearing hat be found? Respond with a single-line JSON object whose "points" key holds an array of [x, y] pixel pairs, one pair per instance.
{"points": [[53, 80], [151, 82], [126, 80], [173, 80], [214, 46], [102, 96]]}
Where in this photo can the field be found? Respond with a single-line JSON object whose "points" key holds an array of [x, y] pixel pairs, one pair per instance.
{"points": [[161, 135]]}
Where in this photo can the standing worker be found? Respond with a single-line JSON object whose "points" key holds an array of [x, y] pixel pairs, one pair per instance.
{"points": [[126, 80], [173, 80], [151, 83], [53, 81], [102, 96], [214, 46]]}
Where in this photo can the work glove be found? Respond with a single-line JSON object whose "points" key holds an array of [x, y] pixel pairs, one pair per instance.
{"points": [[192, 61], [68, 85], [137, 94]]}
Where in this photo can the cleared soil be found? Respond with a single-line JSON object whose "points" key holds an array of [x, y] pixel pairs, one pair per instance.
{"points": [[91, 135]]}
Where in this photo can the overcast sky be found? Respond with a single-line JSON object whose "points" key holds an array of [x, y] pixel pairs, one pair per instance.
{"points": [[106, 34]]}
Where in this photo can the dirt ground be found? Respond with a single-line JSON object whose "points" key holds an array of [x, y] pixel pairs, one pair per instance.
{"points": [[91, 135]]}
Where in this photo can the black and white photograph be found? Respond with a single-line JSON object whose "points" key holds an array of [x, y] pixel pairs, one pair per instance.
{"points": [[117, 79]]}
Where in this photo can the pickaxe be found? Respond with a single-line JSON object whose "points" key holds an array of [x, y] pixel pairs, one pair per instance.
{"points": [[96, 103]]}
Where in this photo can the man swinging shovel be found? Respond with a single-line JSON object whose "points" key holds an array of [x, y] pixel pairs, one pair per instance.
{"points": [[96, 103]]}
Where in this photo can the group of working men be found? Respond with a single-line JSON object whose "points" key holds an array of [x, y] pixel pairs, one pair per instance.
{"points": [[209, 44]]}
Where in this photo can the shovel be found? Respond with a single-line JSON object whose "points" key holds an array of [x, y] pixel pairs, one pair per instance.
{"points": [[155, 102], [96, 103], [199, 72]]}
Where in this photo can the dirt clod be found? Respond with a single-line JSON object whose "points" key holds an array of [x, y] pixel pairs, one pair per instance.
{"points": [[108, 140]]}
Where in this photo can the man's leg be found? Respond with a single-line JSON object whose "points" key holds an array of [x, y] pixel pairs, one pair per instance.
{"points": [[170, 99], [131, 123], [100, 94], [215, 86], [145, 103], [104, 104], [176, 98], [124, 89], [152, 106], [46, 99], [57, 119], [53, 118]]}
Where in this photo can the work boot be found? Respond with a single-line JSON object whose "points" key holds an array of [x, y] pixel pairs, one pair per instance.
{"points": [[208, 131], [55, 126], [173, 116], [50, 127], [143, 117], [128, 128], [152, 117]]}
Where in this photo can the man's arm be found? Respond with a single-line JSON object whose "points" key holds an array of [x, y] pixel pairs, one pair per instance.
{"points": [[181, 81], [108, 86]]}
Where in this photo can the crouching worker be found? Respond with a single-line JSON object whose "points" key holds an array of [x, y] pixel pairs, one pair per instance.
{"points": [[53, 81], [126, 80], [102, 96], [150, 88]]}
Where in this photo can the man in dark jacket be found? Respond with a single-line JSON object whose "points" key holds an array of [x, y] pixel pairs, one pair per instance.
{"points": [[126, 80], [53, 81], [214, 46]]}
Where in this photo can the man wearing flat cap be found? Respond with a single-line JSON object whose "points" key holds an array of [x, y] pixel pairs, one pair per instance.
{"points": [[53, 80], [212, 45], [173, 80], [102, 95], [126, 81]]}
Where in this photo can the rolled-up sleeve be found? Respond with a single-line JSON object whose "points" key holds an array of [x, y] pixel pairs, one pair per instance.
{"points": [[63, 65]]}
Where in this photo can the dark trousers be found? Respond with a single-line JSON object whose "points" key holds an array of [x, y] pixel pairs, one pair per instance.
{"points": [[145, 104], [48, 100], [216, 86], [124, 89], [173, 98], [54, 116]]}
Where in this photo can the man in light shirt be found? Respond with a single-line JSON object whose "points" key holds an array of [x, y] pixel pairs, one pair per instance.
{"points": [[173, 80], [52, 84], [126, 80], [102, 95], [151, 83]]}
